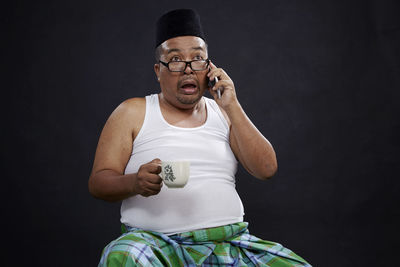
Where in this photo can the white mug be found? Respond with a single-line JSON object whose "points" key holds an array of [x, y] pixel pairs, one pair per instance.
{"points": [[175, 174]]}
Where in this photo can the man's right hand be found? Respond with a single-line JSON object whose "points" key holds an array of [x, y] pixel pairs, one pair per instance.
{"points": [[147, 181]]}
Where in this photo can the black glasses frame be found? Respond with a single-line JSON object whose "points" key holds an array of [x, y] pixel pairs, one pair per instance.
{"points": [[187, 63]]}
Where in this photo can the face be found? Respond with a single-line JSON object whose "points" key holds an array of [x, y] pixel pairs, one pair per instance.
{"points": [[182, 89]]}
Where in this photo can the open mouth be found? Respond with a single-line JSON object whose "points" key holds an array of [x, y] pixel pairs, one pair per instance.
{"points": [[188, 87]]}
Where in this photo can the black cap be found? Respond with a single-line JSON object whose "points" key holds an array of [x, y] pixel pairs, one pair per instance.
{"points": [[179, 22]]}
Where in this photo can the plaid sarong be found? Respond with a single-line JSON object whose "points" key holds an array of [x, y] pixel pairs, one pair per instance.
{"points": [[229, 245]]}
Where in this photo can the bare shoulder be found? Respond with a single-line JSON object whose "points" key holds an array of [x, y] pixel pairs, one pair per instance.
{"points": [[130, 114], [132, 105]]}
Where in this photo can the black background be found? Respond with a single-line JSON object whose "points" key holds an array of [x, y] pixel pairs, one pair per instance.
{"points": [[320, 79]]}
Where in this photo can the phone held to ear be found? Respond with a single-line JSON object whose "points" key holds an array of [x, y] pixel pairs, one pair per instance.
{"points": [[211, 84]]}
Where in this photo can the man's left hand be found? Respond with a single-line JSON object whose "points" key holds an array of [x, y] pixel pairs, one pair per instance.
{"points": [[225, 85]]}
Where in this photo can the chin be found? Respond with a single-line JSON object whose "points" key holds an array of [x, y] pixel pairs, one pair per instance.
{"points": [[189, 99]]}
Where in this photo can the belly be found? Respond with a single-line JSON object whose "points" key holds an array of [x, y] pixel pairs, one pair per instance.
{"points": [[200, 204]]}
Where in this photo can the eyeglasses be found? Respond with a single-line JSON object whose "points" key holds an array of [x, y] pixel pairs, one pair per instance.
{"points": [[179, 66]]}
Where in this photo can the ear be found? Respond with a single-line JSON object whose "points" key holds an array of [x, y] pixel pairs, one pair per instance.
{"points": [[157, 71]]}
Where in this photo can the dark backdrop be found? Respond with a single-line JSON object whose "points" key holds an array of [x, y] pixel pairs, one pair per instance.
{"points": [[320, 79]]}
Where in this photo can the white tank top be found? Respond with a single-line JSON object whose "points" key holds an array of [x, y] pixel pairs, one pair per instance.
{"points": [[209, 199]]}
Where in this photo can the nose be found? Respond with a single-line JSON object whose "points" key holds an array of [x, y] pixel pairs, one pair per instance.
{"points": [[188, 68]]}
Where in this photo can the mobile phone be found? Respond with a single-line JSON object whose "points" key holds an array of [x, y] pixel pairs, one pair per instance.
{"points": [[211, 84]]}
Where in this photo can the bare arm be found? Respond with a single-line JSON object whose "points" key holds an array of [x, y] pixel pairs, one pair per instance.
{"points": [[252, 149], [107, 180]]}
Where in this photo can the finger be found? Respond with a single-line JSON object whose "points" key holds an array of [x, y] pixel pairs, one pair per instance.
{"points": [[221, 85], [149, 193], [151, 190], [213, 93], [213, 70], [216, 96], [156, 160], [212, 65], [154, 167], [153, 187], [213, 73], [154, 179], [218, 73]]}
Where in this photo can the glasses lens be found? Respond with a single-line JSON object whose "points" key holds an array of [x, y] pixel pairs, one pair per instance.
{"points": [[199, 65], [181, 65], [176, 66]]}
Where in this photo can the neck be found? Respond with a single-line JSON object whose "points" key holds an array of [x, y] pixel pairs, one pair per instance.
{"points": [[187, 117]]}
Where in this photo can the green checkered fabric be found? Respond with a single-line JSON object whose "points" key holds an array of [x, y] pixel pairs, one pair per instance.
{"points": [[229, 245]]}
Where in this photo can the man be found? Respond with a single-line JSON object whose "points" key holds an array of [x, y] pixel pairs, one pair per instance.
{"points": [[202, 223]]}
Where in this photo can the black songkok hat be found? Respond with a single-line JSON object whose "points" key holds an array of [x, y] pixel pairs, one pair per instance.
{"points": [[179, 22]]}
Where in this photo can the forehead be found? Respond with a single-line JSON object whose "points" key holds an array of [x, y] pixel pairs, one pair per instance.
{"points": [[184, 44]]}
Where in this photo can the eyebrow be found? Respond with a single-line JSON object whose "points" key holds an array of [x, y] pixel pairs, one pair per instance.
{"points": [[198, 48], [178, 50]]}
